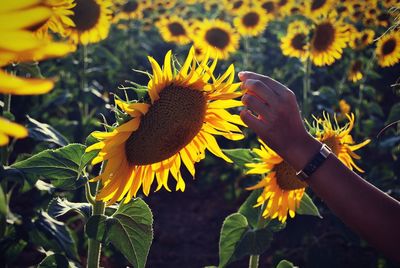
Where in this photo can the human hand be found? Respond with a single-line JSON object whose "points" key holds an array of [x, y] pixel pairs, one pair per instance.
{"points": [[275, 118]]}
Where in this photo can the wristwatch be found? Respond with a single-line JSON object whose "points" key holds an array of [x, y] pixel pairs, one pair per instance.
{"points": [[315, 163]]}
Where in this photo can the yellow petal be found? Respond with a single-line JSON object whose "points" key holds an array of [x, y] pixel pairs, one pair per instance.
{"points": [[11, 84], [23, 19], [12, 129]]}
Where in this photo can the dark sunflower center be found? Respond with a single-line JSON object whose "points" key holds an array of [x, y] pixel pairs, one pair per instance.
{"points": [[169, 125], [299, 41], [341, 9], [268, 6], [323, 37], [384, 17], [364, 37], [251, 19], [356, 67], [334, 144], [286, 177], [316, 4], [237, 4], [86, 14], [217, 37], [176, 29], [131, 6], [281, 3], [388, 47]]}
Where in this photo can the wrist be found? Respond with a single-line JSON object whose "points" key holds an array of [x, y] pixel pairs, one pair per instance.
{"points": [[302, 151]]}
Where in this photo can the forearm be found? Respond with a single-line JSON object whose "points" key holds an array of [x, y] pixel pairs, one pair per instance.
{"points": [[374, 215]]}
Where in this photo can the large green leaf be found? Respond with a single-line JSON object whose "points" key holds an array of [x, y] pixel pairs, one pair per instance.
{"points": [[240, 156], [233, 229], [129, 229], [248, 210], [285, 264], [254, 242], [307, 207], [61, 166]]}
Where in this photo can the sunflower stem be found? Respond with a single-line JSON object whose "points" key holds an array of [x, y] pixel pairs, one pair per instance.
{"points": [[94, 246], [261, 223], [253, 262], [306, 87]]}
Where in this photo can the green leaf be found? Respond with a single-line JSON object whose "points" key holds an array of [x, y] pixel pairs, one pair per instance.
{"points": [[248, 210], [3, 202], [50, 231], [129, 229], [254, 242], [394, 114], [233, 229], [285, 264], [60, 166], [59, 207], [44, 132], [307, 207], [240, 156], [54, 260]]}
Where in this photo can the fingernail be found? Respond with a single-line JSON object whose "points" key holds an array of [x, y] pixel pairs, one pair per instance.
{"points": [[244, 98], [241, 74]]}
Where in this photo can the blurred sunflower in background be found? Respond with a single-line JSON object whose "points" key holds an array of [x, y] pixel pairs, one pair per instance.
{"points": [[339, 139], [234, 6], [388, 49], [360, 40], [179, 124], [174, 29], [295, 43], [129, 9], [218, 37], [329, 38], [92, 19], [355, 71], [282, 190], [251, 21], [269, 6], [18, 44], [317, 8]]}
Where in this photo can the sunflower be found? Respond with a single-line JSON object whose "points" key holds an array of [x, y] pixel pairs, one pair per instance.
{"points": [[329, 38], [360, 40], [59, 20], [354, 73], [251, 21], [284, 7], [174, 29], [339, 139], [234, 6], [270, 7], [92, 21], [186, 110], [317, 8], [218, 37], [282, 190], [388, 49], [295, 42], [131, 9], [344, 108], [10, 129]]}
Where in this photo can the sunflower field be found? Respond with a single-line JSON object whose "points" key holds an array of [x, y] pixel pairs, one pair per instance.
{"points": [[121, 142]]}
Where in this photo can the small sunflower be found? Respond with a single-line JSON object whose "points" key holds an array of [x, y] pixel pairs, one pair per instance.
{"points": [[218, 37], [344, 107], [131, 9], [92, 19], [59, 20], [282, 190], [317, 8], [269, 6], [284, 7], [295, 43], [174, 29], [339, 139], [234, 6], [251, 21], [355, 71], [186, 111], [360, 40], [329, 38], [388, 49]]}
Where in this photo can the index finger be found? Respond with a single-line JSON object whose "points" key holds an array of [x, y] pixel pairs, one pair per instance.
{"points": [[273, 84]]}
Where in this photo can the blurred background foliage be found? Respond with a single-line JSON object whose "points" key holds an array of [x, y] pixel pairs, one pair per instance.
{"points": [[187, 225]]}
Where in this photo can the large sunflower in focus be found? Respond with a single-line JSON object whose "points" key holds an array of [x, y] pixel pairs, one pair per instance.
{"points": [[218, 37], [388, 49], [329, 38], [186, 111], [282, 190], [174, 29], [339, 139], [251, 21], [295, 43], [92, 21]]}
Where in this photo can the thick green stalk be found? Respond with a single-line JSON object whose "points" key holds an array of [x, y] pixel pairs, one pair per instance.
{"points": [[261, 223], [94, 247]]}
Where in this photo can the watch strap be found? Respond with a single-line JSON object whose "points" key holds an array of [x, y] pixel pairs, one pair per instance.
{"points": [[315, 163]]}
